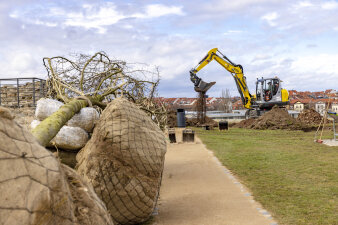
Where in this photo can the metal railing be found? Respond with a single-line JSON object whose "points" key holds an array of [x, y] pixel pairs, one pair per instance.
{"points": [[21, 92]]}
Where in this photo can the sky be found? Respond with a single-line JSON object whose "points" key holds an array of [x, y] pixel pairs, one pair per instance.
{"points": [[294, 40]]}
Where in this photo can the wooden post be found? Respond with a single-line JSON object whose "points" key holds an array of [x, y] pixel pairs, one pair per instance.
{"points": [[0, 93], [33, 91], [18, 92]]}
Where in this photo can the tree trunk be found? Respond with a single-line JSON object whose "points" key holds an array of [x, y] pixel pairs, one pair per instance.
{"points": [[49, 127]]}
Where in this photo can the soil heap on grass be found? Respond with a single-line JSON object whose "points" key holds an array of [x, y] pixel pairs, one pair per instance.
{"points": [[193, 122], [244, 123], [276, 118], [310, 117], [171, 119]]}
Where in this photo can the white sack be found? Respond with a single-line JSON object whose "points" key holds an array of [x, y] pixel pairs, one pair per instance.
{"points": [[46, 107], [68, 138], [85, 118]]}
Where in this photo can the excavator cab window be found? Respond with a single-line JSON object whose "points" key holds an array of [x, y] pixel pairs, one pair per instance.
{"points": [[267, 90], [259, 85], [275, 86]]}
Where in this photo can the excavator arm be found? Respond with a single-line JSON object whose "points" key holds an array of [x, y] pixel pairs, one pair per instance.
{"points": [[235, 70]]}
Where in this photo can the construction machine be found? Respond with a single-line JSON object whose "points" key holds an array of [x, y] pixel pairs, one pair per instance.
{"points": [[269, 91]]}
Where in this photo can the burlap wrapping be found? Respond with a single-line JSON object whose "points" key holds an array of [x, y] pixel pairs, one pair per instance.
{"points": [[124, 161], [88, 208], [33, 186]]}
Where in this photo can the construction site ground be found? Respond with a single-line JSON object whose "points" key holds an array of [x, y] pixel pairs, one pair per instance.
{"points": [[197, 189]]}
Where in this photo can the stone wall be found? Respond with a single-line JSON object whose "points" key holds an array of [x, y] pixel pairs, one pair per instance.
{"points": [[14, 96]]}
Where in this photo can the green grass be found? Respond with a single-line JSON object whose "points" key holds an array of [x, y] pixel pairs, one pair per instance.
{"points": [[294, 178]]}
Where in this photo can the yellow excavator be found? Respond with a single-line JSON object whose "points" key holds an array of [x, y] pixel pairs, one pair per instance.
{"points": [[268, 91]]}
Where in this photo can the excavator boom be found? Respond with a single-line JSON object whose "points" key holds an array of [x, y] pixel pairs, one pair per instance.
{"points": [[235, 70]]}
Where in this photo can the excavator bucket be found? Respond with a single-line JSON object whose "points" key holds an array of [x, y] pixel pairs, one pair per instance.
{"points": [[204, 86]]}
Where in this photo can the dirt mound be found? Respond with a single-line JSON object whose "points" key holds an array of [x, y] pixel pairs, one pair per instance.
{"points": [[245, 123], [276, 118], [193, 122], [171, 119], [310, 117]]}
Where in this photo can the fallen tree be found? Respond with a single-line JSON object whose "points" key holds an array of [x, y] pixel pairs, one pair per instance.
{"points": [[94, 81]]}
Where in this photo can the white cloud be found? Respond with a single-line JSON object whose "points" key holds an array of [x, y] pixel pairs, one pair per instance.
{"points": [[158, 10], [17, 15], [261, 57], [93, 16], [270, 18], [330, 5], [14, 15], [322, 63], [56, 11], [226, 6], [303, 4], [135, 32], [19, 64], [47, 24], [230, 32]]}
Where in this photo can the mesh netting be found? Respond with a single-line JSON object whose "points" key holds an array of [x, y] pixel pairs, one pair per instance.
{"points": [[88, 208], [124, 161], [33, 186]]}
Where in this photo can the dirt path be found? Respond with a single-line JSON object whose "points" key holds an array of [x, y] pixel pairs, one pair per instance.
{"points": [[197, 190]]}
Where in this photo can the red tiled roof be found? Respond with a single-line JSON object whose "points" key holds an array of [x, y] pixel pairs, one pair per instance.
{"points": [[304, 101]]}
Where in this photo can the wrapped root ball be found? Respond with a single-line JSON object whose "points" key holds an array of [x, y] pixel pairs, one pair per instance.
{"points": [[36, 189], [124, 161]]}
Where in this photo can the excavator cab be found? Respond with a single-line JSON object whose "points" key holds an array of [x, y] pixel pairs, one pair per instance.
{"points": [[269, 92]]}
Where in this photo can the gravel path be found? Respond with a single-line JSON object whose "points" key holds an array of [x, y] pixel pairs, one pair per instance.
{"points": [[198, 190]]}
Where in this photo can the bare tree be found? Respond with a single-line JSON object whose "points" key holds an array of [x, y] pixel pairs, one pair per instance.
{"points": [[225, 103], [96, 80]]}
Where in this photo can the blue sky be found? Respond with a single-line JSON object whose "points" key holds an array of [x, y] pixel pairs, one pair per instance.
{"points": [[295, 40]]}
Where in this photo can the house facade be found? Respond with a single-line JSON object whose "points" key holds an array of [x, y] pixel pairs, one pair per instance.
{"points": [[335, 107], [298, 106], [320, 107]]}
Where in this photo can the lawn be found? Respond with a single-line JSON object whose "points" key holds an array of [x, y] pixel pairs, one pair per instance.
{"points": [[294, 178]]}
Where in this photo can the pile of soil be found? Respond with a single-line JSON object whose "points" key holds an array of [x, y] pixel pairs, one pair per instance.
{"points": [[193, 122], [244, 123], [276, 118], [310, 117], [171, 119]]}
